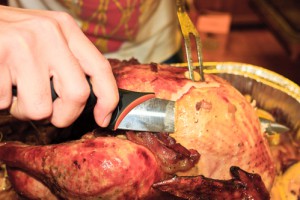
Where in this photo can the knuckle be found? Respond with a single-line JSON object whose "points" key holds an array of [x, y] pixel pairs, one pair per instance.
{"points": [[20, 40], [39, 112], [29, 34], [5, 98], [60, 123], [115, 101], [106, 65], [46, 24], [79, 94], [4, 103], [64, 18], [111, 102]]}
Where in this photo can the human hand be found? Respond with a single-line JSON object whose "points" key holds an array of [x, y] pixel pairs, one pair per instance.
{"points": [[39, 45]]}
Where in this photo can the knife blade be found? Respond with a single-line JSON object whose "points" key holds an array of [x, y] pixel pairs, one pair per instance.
{"points": [[155, 115]]}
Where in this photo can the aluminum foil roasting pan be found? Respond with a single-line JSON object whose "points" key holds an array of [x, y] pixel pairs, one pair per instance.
{"points": [[272, 92]]}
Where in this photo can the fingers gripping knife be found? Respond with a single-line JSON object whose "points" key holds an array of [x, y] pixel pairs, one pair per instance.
{"points": [[139, 112], [135, 111]]}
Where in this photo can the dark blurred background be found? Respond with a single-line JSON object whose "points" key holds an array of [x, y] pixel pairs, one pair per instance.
{"points": [[3, 2], [259, 32]]}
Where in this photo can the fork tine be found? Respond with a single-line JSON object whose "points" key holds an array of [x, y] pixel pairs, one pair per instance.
{"points": [[187, 29], [200, 57], [188, 51]]}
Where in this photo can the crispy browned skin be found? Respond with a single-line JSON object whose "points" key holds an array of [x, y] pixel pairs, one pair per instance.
{"points": [[29, 187], [103, 167], [212, 117], [117, 166], [243, 186]]}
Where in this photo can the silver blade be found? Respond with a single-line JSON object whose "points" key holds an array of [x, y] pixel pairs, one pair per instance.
{"points": [[155, 115]]}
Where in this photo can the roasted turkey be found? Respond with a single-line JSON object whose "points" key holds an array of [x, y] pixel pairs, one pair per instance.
{"points": [[212, 117], [216, 128]]}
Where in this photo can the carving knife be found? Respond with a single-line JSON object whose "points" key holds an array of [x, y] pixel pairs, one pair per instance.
{"points": [[135, 111], [143, 112]]}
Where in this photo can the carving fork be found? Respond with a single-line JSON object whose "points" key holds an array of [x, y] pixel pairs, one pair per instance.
{"points": [[188, 29]]}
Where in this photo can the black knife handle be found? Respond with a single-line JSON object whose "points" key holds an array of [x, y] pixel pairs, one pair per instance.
{"points": [[128, 100]]}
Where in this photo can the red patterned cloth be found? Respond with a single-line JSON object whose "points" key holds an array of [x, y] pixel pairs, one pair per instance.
{"points": [[108, 23], [145, 29]]}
